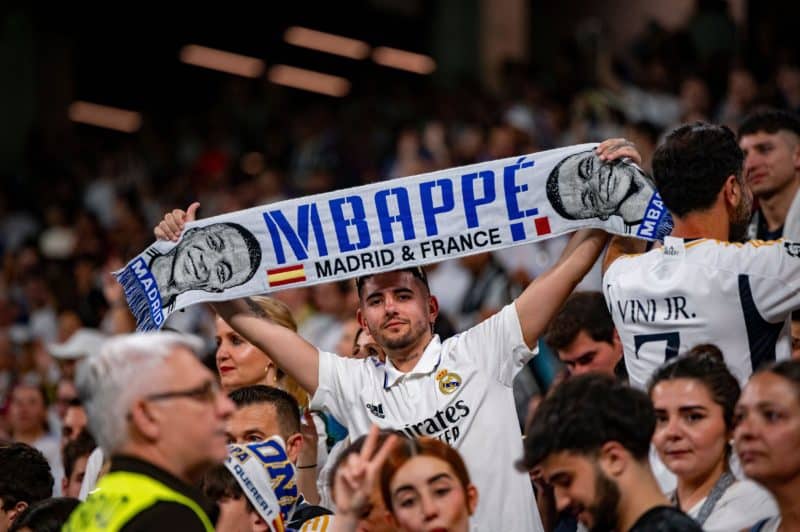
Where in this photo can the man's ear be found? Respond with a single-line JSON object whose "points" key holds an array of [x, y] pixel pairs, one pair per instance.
{"points": [[293, 447], [614, 459], [15, 512], [796, 157], [144, 421], [360, 318], [433, 308], [732, 192]]}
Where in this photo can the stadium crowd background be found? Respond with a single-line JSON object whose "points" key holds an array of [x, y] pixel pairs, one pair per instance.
{"points": [[78, 201]]}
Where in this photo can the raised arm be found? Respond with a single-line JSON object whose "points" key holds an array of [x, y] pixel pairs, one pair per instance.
{"points": [[540, 302], [622, 245], [290, 352], [543, 298]]}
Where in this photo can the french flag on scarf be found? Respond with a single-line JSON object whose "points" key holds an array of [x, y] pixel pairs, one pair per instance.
{"points": [[541, 225]]}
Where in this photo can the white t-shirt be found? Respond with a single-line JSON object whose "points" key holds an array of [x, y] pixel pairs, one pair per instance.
{"points": [[736, 296], [460, 392], [742, 504], [50, 446]]}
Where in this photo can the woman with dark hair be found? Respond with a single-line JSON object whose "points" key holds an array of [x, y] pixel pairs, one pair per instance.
{"points": [[694, 398], [424, 485], [767, 439]]}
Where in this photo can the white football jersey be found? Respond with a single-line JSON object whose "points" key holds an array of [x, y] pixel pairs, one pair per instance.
{"points": [[736, 296], [460, 392]]}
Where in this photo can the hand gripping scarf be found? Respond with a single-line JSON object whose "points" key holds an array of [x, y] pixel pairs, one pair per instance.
{"points": [[394, 224]]}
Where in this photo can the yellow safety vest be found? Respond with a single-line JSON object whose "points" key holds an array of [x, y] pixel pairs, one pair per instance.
{"points": [[119, 497]]}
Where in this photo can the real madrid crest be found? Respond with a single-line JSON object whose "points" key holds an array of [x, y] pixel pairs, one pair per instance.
{"points": [[448, 381]]}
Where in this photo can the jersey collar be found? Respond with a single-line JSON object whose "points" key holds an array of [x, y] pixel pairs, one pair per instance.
{"points": [[428, 363]]}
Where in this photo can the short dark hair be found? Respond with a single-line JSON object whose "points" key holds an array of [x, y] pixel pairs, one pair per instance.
{"points": [[219, 483], [705, 364], [769, 120], [47, 515], [26, 475], [82, 445], [286, 406], [789, 370], [586, 412], [416, 271], [582, 311], [692, 165]]}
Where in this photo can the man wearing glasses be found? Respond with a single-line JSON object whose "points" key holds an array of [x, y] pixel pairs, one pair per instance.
{"points": [[157, 411]]}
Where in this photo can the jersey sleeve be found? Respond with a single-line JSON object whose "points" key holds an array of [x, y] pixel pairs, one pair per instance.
{"points": [[497, 346], [339, 380], [774, 279]]}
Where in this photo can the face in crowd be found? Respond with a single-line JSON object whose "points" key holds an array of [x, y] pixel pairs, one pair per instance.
{"points": [[691, 436], [397, 309], [426, 487], [771, 161], [426, 495], [586, 354], [189, 408], [239, 362], [767, 434], [27, 411], [582, 489]]}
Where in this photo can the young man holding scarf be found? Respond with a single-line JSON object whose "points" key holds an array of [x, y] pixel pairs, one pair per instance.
{"points": [[458, 390]]}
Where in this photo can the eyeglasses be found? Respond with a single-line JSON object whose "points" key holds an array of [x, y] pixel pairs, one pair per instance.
{"points": [[206, 392]]}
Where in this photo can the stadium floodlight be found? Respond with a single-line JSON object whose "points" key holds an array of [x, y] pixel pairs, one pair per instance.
{"points": [[326, 42], [403, 60], [105, 116], [309, 80], [222, 61]]}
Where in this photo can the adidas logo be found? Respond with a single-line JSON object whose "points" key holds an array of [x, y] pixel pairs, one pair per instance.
{"points": [[376, 410]]}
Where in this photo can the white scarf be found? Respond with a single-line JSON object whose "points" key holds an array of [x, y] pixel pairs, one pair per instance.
{"points": [[394, 224], [267, 478]]}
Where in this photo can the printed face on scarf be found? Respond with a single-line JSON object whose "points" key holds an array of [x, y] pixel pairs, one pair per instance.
{"points": [[211, 258], [582, 186]]}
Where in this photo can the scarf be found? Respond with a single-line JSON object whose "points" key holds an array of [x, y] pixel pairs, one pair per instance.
{"points": [[406, 222], [267, 478]]}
